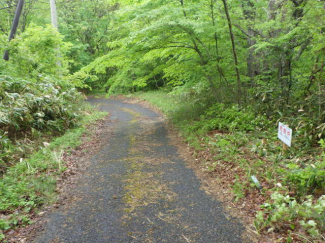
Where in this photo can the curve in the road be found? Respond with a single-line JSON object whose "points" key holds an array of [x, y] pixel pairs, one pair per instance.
{"points": [[138, 189]]}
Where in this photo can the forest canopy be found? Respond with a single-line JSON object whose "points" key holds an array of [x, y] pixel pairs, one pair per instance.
{"points": [[268, 55]]}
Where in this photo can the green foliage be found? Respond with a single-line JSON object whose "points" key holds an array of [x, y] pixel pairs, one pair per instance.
{"points": [[27, 108], [6, 150], [141, 57], [238, 189], [87, 27], [305, 179], [36, 54], [129, 46], [180, 102], [219, 117], [173, 44], [42, 106], [308, 179], [33, 11], [158, 99], [285, 211]]}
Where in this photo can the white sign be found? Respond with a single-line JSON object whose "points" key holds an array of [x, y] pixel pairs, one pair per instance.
{"points": [[285, 134]]}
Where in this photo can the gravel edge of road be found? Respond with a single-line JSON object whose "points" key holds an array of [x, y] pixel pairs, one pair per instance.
{"points": [[76, 162]]}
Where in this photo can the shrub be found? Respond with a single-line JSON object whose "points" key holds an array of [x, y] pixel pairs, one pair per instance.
{"points": [[27, 107], [231, 118], [286, 213], [36, 53], [305, 179]]}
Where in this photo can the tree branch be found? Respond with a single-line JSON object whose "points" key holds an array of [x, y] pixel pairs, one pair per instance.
{"points": [[189, 47], [244, 31], [302, 49]]}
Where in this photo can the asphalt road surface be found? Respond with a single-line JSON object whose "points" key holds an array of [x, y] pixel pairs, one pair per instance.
{"points": [[139, 189]]}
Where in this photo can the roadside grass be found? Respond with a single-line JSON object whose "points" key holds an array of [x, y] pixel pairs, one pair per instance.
{"points": [[98, 94], [175, 107], [158, 99], [31, 183], [241, 145]]}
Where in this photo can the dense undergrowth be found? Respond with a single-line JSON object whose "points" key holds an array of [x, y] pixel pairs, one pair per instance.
{"points": [[30, 110], [293, 181]]}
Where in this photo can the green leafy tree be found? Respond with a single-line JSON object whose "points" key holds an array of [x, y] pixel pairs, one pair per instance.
{"points": [[86, 25], [35, 54]]}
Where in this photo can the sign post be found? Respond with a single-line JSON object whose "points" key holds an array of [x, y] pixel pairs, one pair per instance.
{"points": [[285, 135]]}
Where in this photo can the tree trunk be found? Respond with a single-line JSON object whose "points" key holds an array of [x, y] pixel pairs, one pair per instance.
{"points": [[252, 62], [232, 37], [54, 15], [14, 26]]}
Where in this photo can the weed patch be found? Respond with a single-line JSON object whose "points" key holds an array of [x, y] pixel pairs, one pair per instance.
{"points": [[30, 112], [31, 183]]}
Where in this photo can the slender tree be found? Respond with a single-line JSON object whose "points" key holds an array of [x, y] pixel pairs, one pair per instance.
{"points": [[54, 20], [14, 25], [232, 37]]}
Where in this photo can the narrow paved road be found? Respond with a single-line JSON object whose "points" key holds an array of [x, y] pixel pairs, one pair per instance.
{"points": [[138, 189]]}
